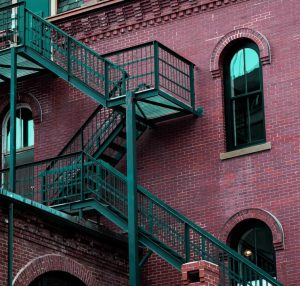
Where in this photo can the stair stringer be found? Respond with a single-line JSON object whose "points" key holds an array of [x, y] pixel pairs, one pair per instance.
{"points": [[144, 239]]}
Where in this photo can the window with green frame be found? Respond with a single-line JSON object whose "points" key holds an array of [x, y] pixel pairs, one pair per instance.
{"points": [[244, 104], [66, 5]]}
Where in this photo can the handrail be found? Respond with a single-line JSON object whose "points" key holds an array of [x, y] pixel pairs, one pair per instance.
{"points": [[227, 251], [60, 157], [147, 44], [72, 60], [78, 132], [179, 237], [77, 42]]}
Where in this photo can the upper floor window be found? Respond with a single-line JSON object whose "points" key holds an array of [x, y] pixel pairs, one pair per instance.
{"points": [[66, 5], [244, 107]]}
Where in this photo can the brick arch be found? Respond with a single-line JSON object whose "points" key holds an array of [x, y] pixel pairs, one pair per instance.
{"points": [[243, 33], [23, 98], [53, 262], [268, 218]]}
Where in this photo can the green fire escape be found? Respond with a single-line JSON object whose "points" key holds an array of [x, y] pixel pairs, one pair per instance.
{"points": [[135, 88]]}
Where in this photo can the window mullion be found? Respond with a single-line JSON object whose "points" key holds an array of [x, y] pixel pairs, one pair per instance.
{"points": [[248, 120], [245, 69], [234, 123]]}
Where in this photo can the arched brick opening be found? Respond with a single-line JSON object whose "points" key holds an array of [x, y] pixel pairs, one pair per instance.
{"points": [[269, 219], [53, 262], [23, 98], [246, 33]]}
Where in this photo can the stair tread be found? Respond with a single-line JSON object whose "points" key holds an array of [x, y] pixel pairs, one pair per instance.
{"points": [[117, 147], [109, 159]]}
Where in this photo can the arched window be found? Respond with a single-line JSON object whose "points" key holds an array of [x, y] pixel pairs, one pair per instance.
{"points": [[253, 239], [244, 107], [24, 148], [24, 136]]}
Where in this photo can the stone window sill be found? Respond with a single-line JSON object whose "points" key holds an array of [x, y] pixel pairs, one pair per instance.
{"points": [[85, 8], [245, 151]]}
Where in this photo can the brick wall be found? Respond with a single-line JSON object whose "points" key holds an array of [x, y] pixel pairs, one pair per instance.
{"points": [[180, 159], [63, 110], [43, 243]]}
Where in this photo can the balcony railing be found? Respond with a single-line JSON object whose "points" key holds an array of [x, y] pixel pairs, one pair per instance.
{"points": [[154, 66], [79, 176]]}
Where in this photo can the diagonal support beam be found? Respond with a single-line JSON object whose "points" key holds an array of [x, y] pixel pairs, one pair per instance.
{"points": [[145, 258]]}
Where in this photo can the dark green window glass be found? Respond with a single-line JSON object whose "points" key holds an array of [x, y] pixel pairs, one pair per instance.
{"points": [[253, 239], [66, 5], [244, 110]]}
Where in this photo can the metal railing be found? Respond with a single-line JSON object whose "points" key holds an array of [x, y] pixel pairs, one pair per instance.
{"points": [[38, 181], [143, 67], [79, 176], [73, 57], [94, 131], [171, 229], [154, 66]]}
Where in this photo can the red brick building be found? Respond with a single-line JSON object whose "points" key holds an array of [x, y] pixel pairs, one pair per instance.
{"points": [[233, 171]]}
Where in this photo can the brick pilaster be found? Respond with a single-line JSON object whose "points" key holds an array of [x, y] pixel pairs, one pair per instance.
{"points": [[200, 273]]}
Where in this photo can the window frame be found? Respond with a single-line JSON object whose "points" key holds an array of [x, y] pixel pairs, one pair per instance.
{"points": [[243, 229], [231, 143], [54, 8], [4, 133]]}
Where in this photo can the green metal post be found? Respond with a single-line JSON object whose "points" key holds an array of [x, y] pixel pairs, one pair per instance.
{"points": [[192, 86], [10, 244], [106, 80], [187, 242], [13, 91], [12, 159], [82, 167], [156, 65], [69, 57], [134, 275]]}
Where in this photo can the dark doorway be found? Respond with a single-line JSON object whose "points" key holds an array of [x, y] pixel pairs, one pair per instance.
{"points": [[57, 278]]}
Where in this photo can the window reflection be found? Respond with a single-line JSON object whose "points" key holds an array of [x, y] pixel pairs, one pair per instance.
{"points": [[24, 130], [244, 101]]}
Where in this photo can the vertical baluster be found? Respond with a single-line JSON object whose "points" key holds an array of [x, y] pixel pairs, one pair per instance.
{"points": [[187, 242], [156, 65], [106, 79], [192, 87]]}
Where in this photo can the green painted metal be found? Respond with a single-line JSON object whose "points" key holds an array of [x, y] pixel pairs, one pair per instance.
{"points": [[134, 271], [70, 59], [140, 69], [10, 244], [145, 258], [164, 83], [154, 66], [167, 232], [40, 7], [160, 228], [13, 103]]}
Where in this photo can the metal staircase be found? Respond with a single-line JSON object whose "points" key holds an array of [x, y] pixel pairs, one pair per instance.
{"points": [[82, 177]]}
